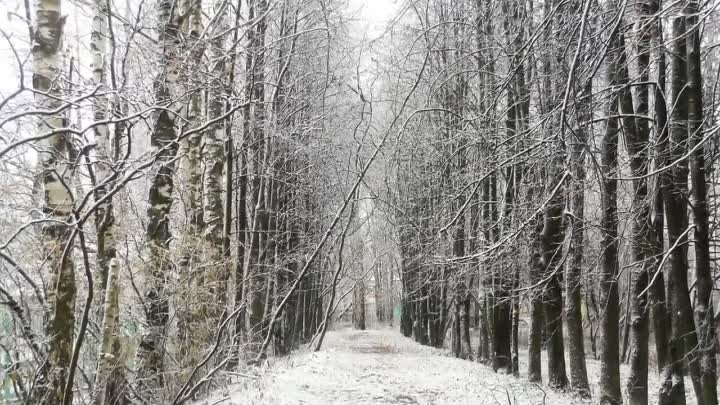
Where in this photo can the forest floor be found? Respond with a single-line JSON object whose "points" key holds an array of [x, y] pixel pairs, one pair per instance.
{"points": [[383, 367]]}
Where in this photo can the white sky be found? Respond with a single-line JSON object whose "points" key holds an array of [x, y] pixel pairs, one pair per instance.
{"points": [[374, 14]]}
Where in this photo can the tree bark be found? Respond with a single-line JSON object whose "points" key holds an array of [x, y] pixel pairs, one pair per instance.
{"points": [[108, 359], [660, 317], [573, 273], [256, 277], [609, 343], [551, 245], [674, 184], [535, 334], [704, 312], [57, 203], [104, 216], [214, 159], [163, 141], [637, 136], [359, 309]]}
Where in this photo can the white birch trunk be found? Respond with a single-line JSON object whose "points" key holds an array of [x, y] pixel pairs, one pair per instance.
{"points": [[55, 170], [214, 163], [108, 356], [150, 355]]}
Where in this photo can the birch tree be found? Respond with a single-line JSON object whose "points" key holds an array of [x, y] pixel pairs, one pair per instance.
{"points": [[163, 140], [55, 172]]}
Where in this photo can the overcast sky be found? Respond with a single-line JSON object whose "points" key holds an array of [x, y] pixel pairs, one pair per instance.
{"points": [[374, 14]]}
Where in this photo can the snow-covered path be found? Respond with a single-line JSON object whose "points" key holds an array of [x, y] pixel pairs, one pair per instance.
{"points": [[383, 367]]}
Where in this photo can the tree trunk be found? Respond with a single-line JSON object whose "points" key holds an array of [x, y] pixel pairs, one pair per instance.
{"points": [[191, 329], [214, 159], [108, 376], [704, 312], [516, 331], [163, 140], [57, 203], [609, 343], [108, 360], [637, 135], [484, 345], [535, 334], [573, 273], [674, 185], [257, 280], [551, 245], [104, 216], [359, 306], [660, 317]]}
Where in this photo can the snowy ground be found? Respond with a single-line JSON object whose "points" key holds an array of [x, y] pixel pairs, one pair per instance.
{"points": [[383, 367]]}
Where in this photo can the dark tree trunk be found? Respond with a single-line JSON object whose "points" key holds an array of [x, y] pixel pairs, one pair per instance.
{"points": [[516, 329], [674, 185], [419, 323], [609, 343], [637, 135], [502, 312], [465, 346], [256, 277], [552, 238], [406, 323], [573, 302], [660, 317], [441, 300], [535, 334], [502, 355], [299, 316], [455, 330], [484, 346], [704, 313], [487, 308]]}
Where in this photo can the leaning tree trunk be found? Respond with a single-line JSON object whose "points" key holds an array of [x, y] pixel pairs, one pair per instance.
{"points": [[56, 204], [704, 313], [158, 266], [609, 343]]}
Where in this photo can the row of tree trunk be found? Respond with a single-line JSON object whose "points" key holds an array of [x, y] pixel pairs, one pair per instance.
{"points": [[519, 201], [230, 149]]}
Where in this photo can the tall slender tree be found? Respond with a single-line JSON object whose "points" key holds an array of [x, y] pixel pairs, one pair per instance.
{"points": [[609, 345], [151, 351], [637, 141], [704, 311], [55, 172], [683, 338]]}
